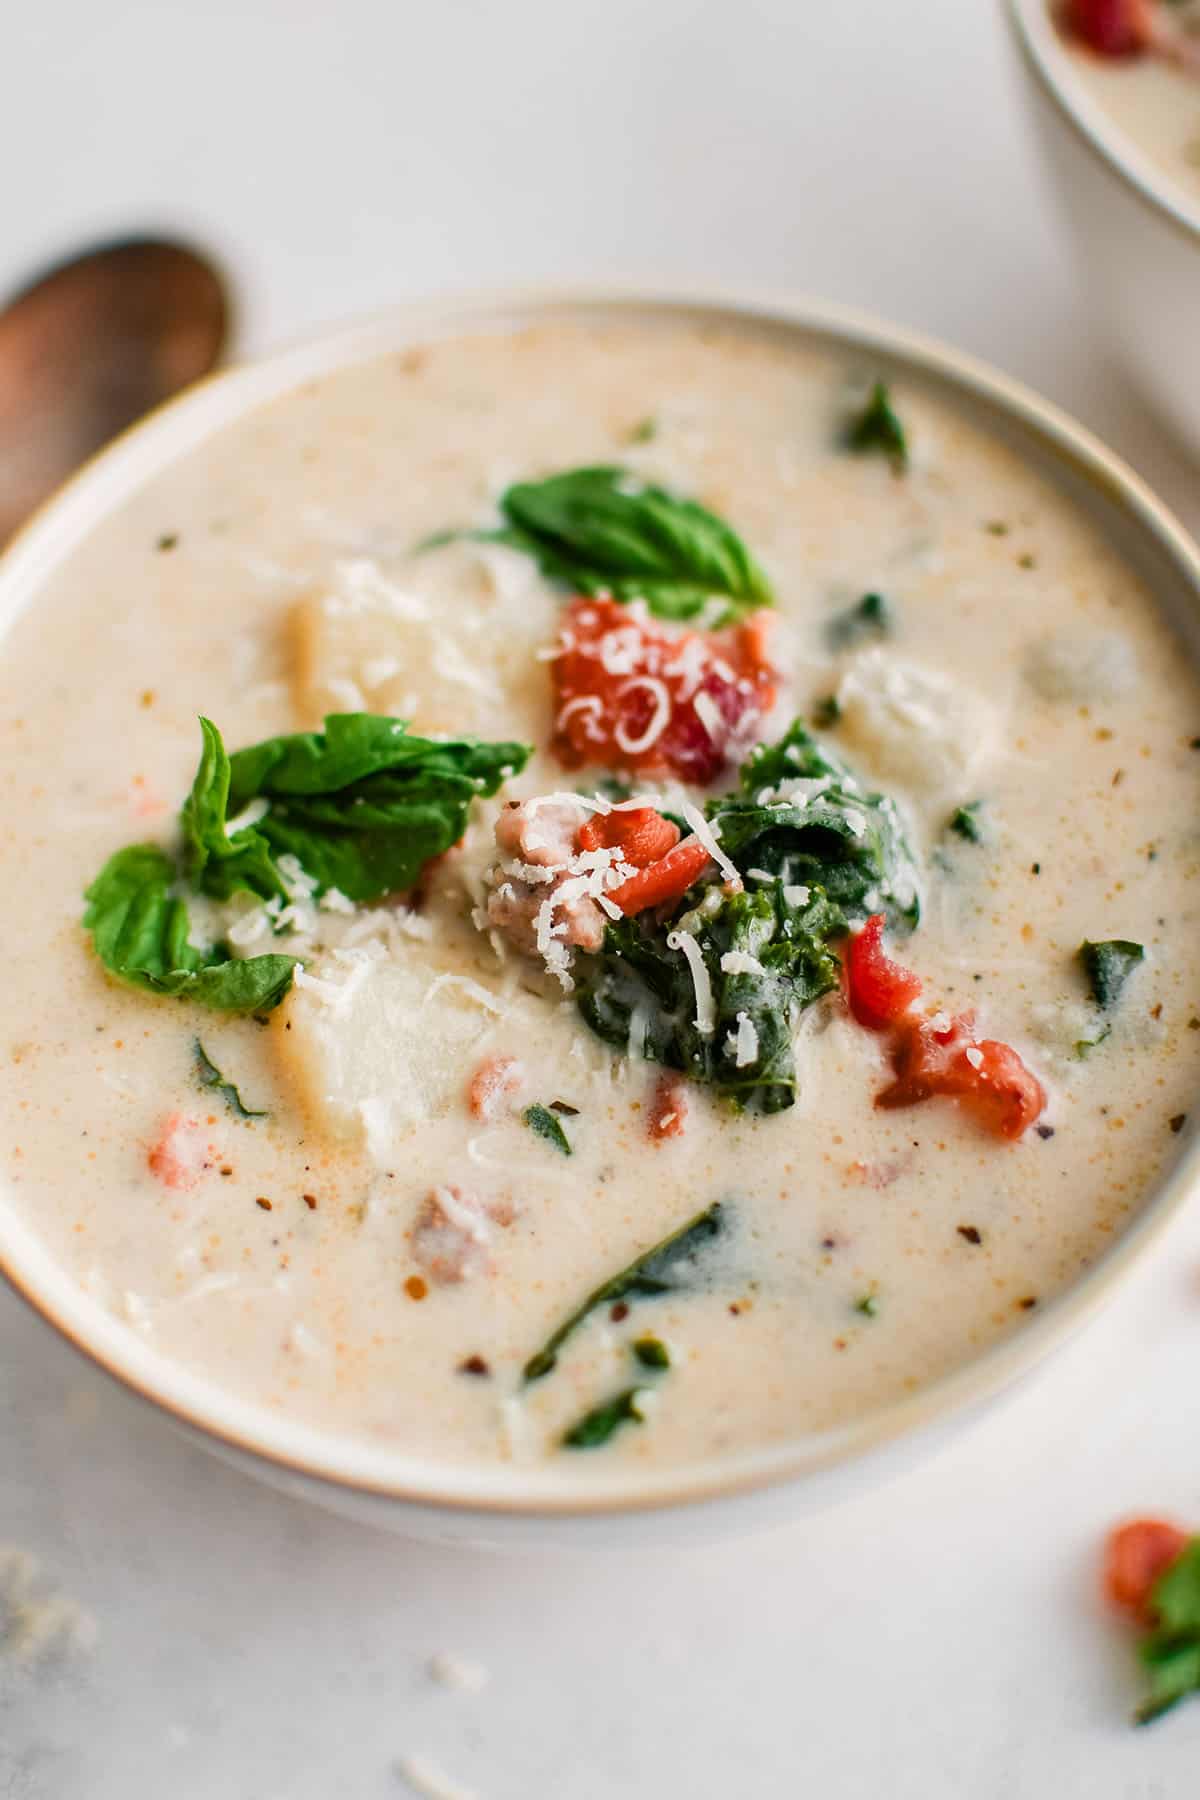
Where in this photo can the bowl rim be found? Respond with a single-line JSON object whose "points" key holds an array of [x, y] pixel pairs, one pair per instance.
{"points": [[1052, 67], [346, 1465]]}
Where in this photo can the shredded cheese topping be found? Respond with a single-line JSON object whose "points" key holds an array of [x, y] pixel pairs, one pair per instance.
{"points": [[706, 1016]]}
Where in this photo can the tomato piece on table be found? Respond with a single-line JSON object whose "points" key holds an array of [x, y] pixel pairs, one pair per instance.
{"points": [[640, 833], [879, 990], [632, 696], [938, 1056], [1135, 1556], [667, 879]]}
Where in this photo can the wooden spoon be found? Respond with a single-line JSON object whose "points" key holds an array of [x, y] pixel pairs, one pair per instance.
{"points": [[90, 346]]}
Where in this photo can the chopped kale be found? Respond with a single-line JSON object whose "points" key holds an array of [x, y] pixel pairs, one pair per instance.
{"points": [[965, 823], [827, 712], [542, 1121], [870, 617], [596, 1427], [651, 1352], [832, 853], [657, 1271], [876, 428], [1108, 966]]}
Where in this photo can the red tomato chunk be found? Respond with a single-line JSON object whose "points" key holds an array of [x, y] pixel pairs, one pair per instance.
{"points": [[931, 1056], [1135, 1556], [665, 880], [630, 696], [879, 990], [639, 833]]}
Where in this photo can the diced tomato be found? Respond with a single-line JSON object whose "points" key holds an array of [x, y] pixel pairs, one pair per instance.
{"points": [[495, 1077], [632, 696], [878, 989], [985, 1076], [1111, 27], [669, 1108], [640, 834], [664, 880], [181, 1154], [1135, 1556]]}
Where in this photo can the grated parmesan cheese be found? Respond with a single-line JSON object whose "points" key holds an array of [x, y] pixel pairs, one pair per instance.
{"points": [[746, 1042], [708, 837], [706, 1018], [659, 718], [740, 962]]}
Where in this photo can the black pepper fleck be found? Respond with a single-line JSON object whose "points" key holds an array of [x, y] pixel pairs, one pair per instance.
{"points": [[1044, 1131], [971, 1233], [167, 541], [1028, 1303], [1178, 1122], [1035, 868]]}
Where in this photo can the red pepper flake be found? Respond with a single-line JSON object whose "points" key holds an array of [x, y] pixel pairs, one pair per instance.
{"points": [[415, 1288], [261, 1200], [310, 1200], [619, 1311], [226, 1170], [971, 1233], [1028, 1303], [631, 696], [474, 1365]]}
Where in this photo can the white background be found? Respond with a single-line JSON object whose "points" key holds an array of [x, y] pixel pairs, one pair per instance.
{"points": [[938, 1639]]}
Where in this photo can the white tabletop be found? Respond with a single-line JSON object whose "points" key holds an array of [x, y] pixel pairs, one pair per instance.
{"points": [[936, 1639]]}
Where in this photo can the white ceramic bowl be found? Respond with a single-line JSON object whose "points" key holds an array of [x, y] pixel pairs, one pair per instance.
{"points": [[387, 1485], [1136, 233]]}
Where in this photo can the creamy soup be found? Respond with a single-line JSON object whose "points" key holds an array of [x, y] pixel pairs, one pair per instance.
{"points": [[1152, 95], [448, 1153]]}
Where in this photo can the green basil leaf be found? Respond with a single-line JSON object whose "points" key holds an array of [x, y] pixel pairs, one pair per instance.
{"points": [[654, 1272], [362, 805], [139, 930], [597, 1427], [602, 531], [1108, 966], [213, 859]]}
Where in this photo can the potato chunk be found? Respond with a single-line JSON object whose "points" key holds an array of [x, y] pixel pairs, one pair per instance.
{"points": [[448, 644]]}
